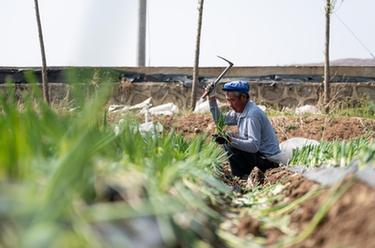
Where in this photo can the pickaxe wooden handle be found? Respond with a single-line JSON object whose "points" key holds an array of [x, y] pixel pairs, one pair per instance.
{"points": [[212, 85]]}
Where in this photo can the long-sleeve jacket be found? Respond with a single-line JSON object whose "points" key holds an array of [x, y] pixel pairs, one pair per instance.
{"points": [[255, 132]]}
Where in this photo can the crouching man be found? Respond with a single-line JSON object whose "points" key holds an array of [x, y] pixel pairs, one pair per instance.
{"points": [[256, 143]]}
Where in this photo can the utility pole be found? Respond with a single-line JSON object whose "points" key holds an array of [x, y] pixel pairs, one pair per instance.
{"points": [[43, 53], [328, 10], [197, 52], [142, 15]]}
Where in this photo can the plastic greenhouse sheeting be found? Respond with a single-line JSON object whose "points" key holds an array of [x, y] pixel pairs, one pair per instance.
{"points": [[291, 144], [328, 176]]}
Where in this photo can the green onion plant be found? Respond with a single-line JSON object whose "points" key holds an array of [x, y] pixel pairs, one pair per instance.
{"points": [[59, 170]]}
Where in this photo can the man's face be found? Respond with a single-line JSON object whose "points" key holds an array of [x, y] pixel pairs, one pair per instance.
{"points": [[236, 102]]}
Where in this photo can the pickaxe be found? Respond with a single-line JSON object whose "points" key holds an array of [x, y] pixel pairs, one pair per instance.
{"points": [[212, 85]]}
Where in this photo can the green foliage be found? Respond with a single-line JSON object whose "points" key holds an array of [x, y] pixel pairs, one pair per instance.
{"points": [[92, 75], [365, 109], [367, 155], [53, 165], [220, 124], [221, 127], [334, 153]]}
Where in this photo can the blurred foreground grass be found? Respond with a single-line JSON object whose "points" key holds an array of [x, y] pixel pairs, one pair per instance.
{"points": [[67, 179]]}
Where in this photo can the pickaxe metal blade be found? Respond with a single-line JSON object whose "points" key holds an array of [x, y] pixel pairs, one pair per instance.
{"points": [[222, 74]]}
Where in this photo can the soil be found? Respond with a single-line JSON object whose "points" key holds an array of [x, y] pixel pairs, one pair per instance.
{"points": [[312, 127], [323, 127], [349, 223], [189, 124], [295, 184], [255, 178], [249, 225]]}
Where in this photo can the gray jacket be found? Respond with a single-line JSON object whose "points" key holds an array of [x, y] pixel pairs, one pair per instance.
{"points": [[255, 132]]}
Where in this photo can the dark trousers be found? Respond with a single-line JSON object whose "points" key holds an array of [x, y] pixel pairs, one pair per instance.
{"points": [[242, 163]]}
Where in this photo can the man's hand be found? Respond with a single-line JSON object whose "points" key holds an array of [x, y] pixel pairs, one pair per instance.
{"points": [[220, 139], [211, 89]]}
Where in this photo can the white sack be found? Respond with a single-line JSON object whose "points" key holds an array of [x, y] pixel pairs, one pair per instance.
{"points": [[289, 145], [307, 109], [164, 109], [202, 106]]}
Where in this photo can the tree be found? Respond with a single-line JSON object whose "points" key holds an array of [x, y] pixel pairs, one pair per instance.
{"points": [[196, 58], [330, 5], [43, 53], [328, 11]]}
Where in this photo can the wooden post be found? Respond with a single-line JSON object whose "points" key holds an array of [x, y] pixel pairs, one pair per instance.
{"points": [[326, 54], [43, 53], [196, 58]]}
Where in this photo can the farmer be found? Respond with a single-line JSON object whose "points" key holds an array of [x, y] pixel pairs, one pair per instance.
{"points": [[256, 143]]}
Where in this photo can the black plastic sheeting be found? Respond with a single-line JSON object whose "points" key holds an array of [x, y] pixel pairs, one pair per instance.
{"points": [[329, 176], [187, 79], [58, 75], [18, 75]]}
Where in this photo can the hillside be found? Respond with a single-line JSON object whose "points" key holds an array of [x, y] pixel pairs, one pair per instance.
{"points": [[348, 62]]}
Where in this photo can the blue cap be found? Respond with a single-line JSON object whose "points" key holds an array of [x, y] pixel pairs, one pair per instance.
{"points": [[239, 86]]}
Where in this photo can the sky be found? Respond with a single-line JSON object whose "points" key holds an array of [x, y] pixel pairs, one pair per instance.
{"points": [[247, 32]]}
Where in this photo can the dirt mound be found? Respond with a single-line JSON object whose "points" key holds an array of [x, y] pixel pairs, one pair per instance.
{"points": [[323, 127], [351, 220], [312, 127], [249, 225], [189, 124], [295, 184], [349, 223], [256, 177]]}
